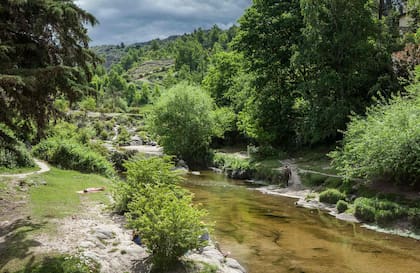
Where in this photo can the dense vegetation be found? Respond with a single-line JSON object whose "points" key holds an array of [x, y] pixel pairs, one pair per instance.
{"points": [[159, 210], [385, 143]]}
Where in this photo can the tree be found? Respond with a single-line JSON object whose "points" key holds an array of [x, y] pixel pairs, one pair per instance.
{"points": [[385, 143], [185, 122], [268, 35], [223, 70], [341, 75], [43, 54]]}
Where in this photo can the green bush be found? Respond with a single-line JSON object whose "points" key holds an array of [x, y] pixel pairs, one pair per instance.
{"points": [[160, 211], [342, 206], [167, 223], [63, 264], [385, 143], [364, 209], [70, 154], [141, 172], [414, 217], [381, 211], [13, 153], [118, 159], [331, 196]]}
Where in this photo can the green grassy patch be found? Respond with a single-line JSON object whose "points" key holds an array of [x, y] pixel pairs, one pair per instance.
{"points": [[4, 170], [59, 197]]}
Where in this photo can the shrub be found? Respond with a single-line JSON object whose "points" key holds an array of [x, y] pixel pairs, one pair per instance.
{"points": [[167, 223], [414, 217], [385, 143], [142, 172], [123, 136], [118, 159], [13, 153], [364, 209], [342, 206], [70, 154], [161, 212], [331, 196]]}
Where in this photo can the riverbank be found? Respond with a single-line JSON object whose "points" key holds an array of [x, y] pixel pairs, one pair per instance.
{"points": [[42, 215], [388, 209], [309, 199]]}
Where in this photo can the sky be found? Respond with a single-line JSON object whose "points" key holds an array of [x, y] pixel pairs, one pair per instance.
{"points": [[131, 21]]}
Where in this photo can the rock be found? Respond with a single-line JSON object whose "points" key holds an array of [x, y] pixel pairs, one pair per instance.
{"points": [[86, 244], [44, 183], [234, 264], [104, 234]]}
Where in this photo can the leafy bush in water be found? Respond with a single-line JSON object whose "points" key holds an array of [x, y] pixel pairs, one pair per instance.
{"points": [[384, 143], [167, 223], [63, 264], [70, 154], [342, 206], [13, 153], [331, 196]]}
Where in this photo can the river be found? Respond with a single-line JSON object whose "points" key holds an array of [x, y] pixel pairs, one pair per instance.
{"points": [[268, 234]]}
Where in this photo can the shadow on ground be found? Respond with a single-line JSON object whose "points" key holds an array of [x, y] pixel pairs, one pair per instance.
{"points": [[14, 241]]}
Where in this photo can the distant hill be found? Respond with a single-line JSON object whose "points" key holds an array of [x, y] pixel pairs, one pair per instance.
{"points": [[113, 53]]}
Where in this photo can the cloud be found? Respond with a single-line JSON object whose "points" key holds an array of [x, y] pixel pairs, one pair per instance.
{"points": [[132, 21]]}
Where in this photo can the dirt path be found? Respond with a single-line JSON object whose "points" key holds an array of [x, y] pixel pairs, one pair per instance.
{"points": [[96, 234], [43, 169]]}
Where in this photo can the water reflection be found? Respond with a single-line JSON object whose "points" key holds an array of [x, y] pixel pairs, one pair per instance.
{"points": [[269, 234]]}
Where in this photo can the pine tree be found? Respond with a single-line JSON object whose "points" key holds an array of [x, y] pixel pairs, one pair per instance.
{"points": [[44, 54]]}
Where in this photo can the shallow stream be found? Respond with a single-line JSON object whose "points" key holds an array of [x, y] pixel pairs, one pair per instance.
{"points": [[268, 234]]}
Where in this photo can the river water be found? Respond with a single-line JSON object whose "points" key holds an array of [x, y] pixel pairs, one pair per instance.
{"points": [[268, 234]]}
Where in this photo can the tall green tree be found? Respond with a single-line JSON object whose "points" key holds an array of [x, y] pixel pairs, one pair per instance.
{"points": [[268, 35], [342, 65], [185, 121], [43, 54]]}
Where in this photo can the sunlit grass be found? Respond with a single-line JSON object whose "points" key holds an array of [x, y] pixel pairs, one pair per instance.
{"points": [[59, 197]]}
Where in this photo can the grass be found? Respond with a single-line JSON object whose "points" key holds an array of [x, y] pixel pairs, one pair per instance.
{"points": [[59, 197], [4, 170]]}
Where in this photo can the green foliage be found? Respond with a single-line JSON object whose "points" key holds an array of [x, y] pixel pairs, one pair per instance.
{"points": [[377, 210], [414, 217], [160, 211], [184, 120], [69, 148], [63, 264], [87, 104], [331, 196], [142, 172], [342, 206], [167, 223], [226, 161], [385, 143], [364, 209], [338, 76], [13, 153], [123, 136], [41, 59], [267, 109]]}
